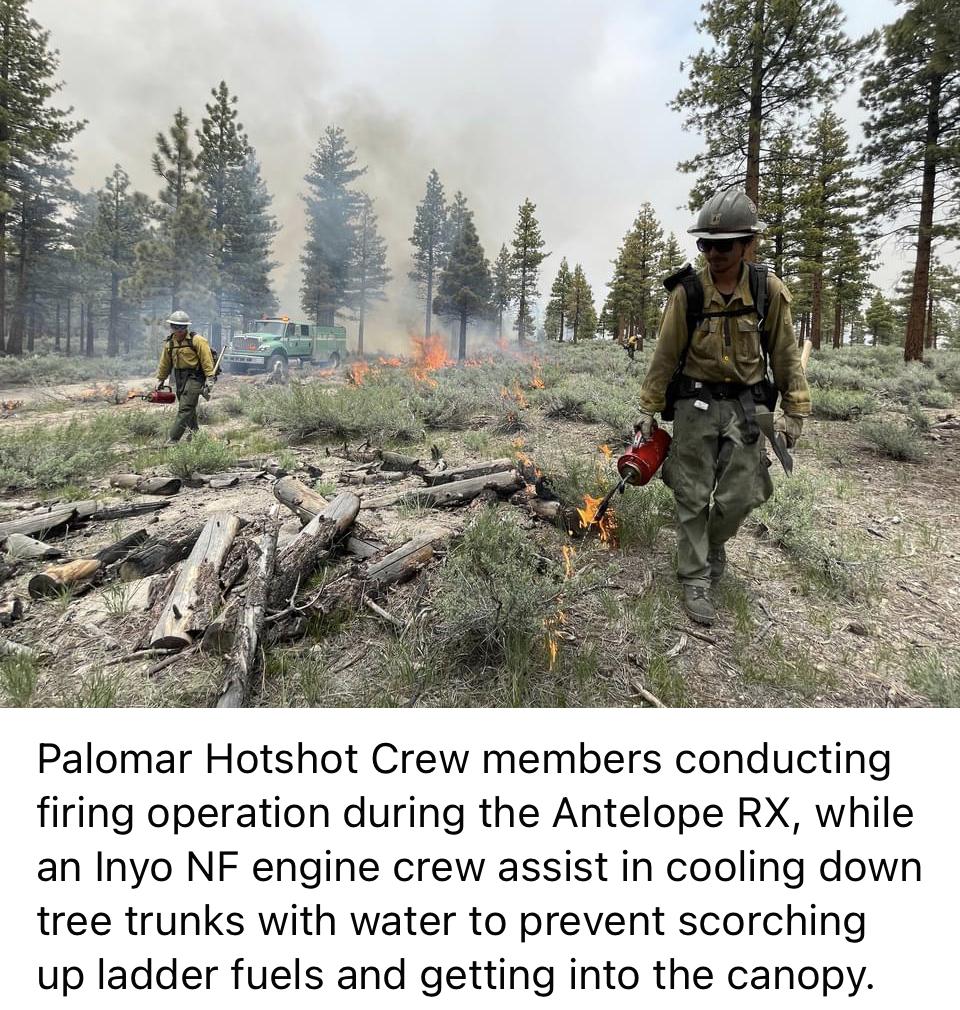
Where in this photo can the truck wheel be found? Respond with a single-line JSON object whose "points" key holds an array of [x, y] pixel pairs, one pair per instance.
{"points": [[274, 360], [335, 360]]}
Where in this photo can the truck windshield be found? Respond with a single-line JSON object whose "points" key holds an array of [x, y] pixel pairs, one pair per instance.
{"points": [[272, 326]]}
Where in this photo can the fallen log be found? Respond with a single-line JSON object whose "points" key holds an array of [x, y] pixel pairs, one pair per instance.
{"points": [[241, 664], [398, 461], [300, 558], [469, 470], [553, 512], [403, 563], [157, 554], [377, 477], [119, 550], [303, 501], [196, 594], [24, 548], [462, 491], [59, 578], [46, 520], [147, 485]]}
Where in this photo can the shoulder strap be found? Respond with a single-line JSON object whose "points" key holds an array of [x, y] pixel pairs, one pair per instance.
{"points": [[758, 292], [693, 289]]}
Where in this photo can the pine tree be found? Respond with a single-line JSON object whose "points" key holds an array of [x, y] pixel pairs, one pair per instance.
{"points": [[847, 271], [780, 200], [501, 287], [33, 133], [554, 322], [525, 263], [429, 231], [121, 225], [830, 200], [249, 246], [175, 266], [880, 320], [912, 96], [222, 157], [580, 308], [671, 258], [332, 208], [465, 284], [369, 273], [636, 294], [768, 59]]}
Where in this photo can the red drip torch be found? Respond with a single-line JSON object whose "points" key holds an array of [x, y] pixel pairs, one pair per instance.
{"points": [[162, 395], [637, 465]]}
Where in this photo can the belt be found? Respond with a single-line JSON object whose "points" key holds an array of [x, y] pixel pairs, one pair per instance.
{"points": [[727, 391]]}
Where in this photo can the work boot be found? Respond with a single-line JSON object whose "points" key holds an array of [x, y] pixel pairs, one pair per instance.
{"points": [[717, 558], [697, 604]]}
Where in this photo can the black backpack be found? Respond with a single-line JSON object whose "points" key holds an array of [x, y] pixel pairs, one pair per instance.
{"points": [[687, 276]]}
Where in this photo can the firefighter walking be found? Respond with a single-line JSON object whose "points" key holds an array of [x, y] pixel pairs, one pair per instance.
{"points": [[187, 355], [721, 329]]}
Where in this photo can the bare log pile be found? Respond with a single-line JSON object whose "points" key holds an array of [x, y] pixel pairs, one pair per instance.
{"points": [[195, 598]]}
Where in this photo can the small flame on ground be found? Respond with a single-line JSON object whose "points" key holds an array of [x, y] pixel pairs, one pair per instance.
{"points": [[429, 354], [568, 555], [607, 451], [608, 524], [358, 372]]}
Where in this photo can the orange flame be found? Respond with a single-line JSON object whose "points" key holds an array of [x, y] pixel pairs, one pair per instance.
{"points": [[429, 354], [568, 555], [608, 524], [607, 451], [537, 381], [358, 371]]}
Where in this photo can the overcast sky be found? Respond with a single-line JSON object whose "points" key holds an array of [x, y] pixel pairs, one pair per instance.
{"points": [[562, 102]]}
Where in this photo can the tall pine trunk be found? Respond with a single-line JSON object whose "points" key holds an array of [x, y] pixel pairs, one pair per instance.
{"points": [[931, 334], [113, 330], [755, 120], [69, 321], [89, 348], [837, 319], [462, 345], [56, 336], [816, 307], [429, 309], [363, 306], [913, 341]]}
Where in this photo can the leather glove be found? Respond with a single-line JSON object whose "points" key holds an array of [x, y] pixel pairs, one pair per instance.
{"points": [[646, 425], [790, 426], [207, 390], [161, 384]]}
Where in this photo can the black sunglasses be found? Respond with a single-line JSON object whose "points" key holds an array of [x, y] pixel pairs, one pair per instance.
{"points": [[722, 245]]}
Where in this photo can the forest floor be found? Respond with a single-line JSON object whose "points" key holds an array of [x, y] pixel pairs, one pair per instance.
{"points": [[843, 591]]}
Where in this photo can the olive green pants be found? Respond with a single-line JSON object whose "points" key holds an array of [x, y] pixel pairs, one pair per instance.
{"points": [[188, 396], [711, 456]]}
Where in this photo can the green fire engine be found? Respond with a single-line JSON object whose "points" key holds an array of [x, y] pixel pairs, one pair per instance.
{"points": [[277, 342]]}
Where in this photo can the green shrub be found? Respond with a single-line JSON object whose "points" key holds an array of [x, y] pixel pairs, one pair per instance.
{"points": [[490, 601], [18, 679], [378, 410], [937, 676], [789, 518], [570, 404], [147, 423], [841, 405], [898, 441], [56, 368], [51, 456], [201, 454]]}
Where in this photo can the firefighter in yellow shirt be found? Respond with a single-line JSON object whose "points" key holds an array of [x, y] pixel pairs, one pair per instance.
{"points": [[188, 356], [709, 374]]}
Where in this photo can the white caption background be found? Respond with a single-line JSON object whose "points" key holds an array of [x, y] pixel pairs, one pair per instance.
{"points": [[908, 950]]}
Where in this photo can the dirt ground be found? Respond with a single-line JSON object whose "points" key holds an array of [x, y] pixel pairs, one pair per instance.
{"points": [[778, 641]]}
